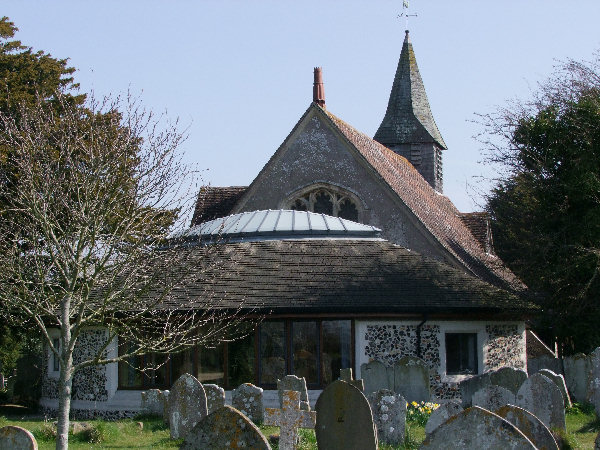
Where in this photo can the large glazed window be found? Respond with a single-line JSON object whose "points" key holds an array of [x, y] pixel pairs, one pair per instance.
{"points": [[272, 352], [330, 201]]}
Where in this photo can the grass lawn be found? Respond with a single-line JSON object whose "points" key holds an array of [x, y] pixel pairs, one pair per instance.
{"points": [[582, 428]]}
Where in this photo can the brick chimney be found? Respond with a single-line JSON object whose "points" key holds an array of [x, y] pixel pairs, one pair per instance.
{"points": [[319, 88]]}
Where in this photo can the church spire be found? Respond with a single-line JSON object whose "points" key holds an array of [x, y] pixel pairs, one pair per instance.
{"points": [[408, 127]]}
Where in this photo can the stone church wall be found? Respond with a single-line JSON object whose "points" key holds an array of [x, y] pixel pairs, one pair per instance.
{"points": [[94, 383], [498, 344]]}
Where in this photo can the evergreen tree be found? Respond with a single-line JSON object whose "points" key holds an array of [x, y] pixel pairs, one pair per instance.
{"points": [[546, 208]]}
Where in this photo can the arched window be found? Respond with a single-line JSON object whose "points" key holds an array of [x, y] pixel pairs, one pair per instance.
{"points": [[326, 201]]}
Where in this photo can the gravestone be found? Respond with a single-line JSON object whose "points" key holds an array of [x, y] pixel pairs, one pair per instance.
{"points": [[411, 379], [346, 375], [293, 383], [471, 385], [16, 438], [376, 377], [493, 397], [559, 380], [223, 429], [187, 405], [389, 415], [441, 414], [577, 370], [541, 397], [289, 418], [477, 428], [248, 399], [530, 426], [344, 419], [215, 397], [152, 402], [594, 389], [164, 398], [508, 377]]}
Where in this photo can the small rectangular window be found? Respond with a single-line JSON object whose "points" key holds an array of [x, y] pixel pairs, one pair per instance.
{"points": [[55, 360], [461, 353]]}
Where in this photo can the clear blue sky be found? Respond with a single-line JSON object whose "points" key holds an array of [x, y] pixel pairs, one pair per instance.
{"points": [[239, 73]]}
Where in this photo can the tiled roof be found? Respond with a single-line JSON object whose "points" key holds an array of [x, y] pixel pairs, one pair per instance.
{"points": [[435, 211], [332, 276], [408, 118], [215, 202], [479, 224]]}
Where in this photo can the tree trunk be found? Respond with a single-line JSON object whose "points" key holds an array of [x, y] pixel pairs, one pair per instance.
{"points": [[65, 385]]}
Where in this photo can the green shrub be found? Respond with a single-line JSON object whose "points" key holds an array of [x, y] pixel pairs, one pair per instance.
{"points": [[47, 432]]}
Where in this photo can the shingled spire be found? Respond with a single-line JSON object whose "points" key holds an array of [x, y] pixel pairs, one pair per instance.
{"points": [[408, 127]]}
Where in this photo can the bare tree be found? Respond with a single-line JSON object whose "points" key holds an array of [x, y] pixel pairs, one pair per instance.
{"points": [[88, 197]]}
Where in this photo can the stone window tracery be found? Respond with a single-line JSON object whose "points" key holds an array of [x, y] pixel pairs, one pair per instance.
{"points": [[325, 201]]}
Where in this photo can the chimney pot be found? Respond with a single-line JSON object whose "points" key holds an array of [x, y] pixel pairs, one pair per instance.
{"points": [[319, 88]]}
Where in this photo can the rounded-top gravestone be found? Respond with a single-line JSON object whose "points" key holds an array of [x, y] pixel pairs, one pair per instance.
{"points": [[477, 428], [508, 377], [541, 397], [225, 428], [187, 405], [344, 419], [248, 399], [493, 397], [441, 414], [215, 397], [559, 380], [411, 379], [530, 426], [16, 438], [376, 376], [389, 415]]}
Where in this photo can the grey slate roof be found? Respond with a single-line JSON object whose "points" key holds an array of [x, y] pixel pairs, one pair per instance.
{"points": [[280, 224], [408, 118], [338, 276]]}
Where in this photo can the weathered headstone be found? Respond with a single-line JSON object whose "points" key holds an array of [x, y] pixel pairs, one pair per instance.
{"points": [[594, 389], [289, 418], [389, 415], [187, 405], [493, 397], [152, 402], [164, 397], [376, 377], [16, 438], [477, 428], [577, 370], [293, 383], [411, 379], [225, 428], [215, 397], [441, 414], [508, 377], [471, 385], [559, 380], [344, 419], [541, 397], [249, 400], [346, 375], [530, 426]]}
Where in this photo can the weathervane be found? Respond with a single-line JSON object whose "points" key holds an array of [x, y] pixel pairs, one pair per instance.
{"points": [[405, 12]]}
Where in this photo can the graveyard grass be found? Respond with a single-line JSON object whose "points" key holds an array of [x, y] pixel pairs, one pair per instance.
{"points": [[582, 428]]}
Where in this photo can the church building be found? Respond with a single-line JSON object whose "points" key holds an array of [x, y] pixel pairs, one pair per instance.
{"points": [[347, 245]]}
